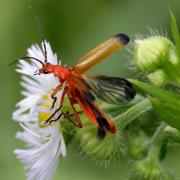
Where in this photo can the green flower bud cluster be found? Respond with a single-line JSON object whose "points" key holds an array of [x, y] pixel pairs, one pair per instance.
{"points": [[159, 57], [156, 55], [150, 166]]}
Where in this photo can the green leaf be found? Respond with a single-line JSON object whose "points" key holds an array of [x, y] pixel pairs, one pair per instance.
{"points": [[167, 112], [165, 104], [175, 33], [154, 91], [174, 29]]}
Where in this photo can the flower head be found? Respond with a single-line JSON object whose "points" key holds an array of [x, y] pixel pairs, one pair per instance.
{"points": [[44, 144]]}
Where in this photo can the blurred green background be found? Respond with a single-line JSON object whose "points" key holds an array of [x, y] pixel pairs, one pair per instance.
{"points": [[73, 28]]}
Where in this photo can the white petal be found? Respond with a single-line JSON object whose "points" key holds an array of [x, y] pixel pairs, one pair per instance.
{"points": [[42, 157]]}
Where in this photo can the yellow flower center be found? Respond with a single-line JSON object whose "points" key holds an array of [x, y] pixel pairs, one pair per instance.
{"points": [[45, 104]]}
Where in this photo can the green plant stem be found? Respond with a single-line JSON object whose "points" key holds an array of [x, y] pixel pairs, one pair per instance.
{"points": [[154, 146], [132, 113], [159, 130]]}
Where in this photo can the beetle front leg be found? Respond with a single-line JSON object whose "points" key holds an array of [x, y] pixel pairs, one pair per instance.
{"points": [[49, 120], [53, 95]]}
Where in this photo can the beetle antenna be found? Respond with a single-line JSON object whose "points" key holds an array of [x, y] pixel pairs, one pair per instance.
{"points": [[26, 58], [45, 50], [40, 30]]}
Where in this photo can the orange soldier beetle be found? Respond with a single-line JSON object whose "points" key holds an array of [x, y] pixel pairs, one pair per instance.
{"points": [[81, 88]]}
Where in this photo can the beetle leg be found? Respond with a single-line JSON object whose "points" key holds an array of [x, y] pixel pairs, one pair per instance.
{"points": [[79, 112], [57, 110], [75, 113], [48, 121], [68, 117], [54, 120], [62, 96], [56, 90]]}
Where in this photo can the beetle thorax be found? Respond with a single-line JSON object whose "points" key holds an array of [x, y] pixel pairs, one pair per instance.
{"points": [[62, 73]]}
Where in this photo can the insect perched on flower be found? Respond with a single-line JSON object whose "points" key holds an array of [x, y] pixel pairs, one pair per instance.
{"points": [[81, 88]]}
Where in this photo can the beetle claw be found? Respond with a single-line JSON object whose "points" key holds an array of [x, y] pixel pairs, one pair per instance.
{"points": [[48, 122]]}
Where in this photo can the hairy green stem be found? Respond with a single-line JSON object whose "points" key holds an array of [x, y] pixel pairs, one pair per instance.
{"points": [[159, 130], [132, 113], [155, 144]]}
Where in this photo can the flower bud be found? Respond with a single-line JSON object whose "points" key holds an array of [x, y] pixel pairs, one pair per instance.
{"points": [[99, 149], [158, 77], [173, 133], [138, 146], [151, 52], [149, 169], [157, 55]]}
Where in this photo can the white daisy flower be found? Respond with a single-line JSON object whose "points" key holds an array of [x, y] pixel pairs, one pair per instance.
{"points": [[44, 144]]}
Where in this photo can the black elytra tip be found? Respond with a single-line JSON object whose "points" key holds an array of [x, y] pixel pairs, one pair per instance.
{"points": [[123, 38], [101, 133]]}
